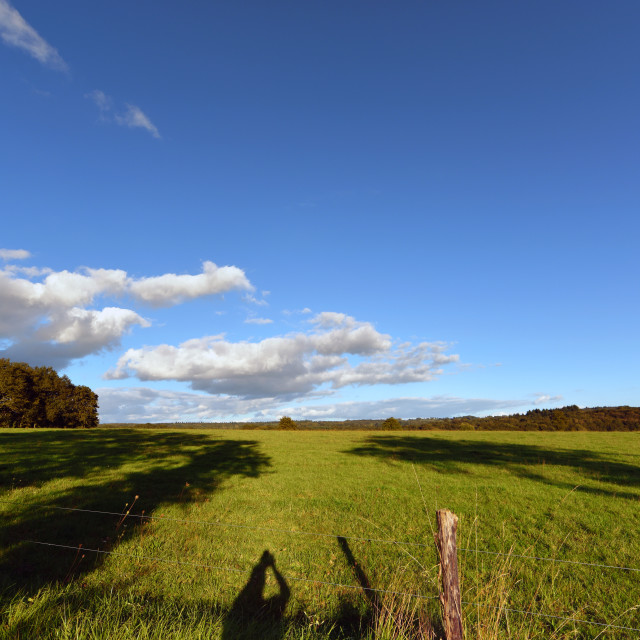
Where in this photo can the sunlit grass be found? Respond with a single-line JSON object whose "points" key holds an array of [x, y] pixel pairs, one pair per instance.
{"points": [[217, 498]]}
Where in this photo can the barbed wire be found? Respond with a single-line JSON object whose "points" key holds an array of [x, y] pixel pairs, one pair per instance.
{"points": [[227, 524], [325, 535], [225, 568]]}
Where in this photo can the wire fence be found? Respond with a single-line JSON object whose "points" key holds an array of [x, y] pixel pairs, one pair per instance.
{"points": [[211, 523], [232, 569], [360, 587]]}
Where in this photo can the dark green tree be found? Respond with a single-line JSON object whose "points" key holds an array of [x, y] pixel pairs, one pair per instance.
{"points": [[39, 397]]}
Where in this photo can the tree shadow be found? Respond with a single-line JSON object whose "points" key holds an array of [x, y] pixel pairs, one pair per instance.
{"points": [[522, 460], [111, 471], [252, 615]]}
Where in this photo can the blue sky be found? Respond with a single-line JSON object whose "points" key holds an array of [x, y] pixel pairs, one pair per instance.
{"points": [[223, 211]]}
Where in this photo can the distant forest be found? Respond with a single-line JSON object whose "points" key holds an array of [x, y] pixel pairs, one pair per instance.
{"points": [[39, 397], [570, 418]]}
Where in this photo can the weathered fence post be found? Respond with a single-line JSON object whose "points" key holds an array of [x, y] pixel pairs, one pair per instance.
{"points": [[450, 596]]}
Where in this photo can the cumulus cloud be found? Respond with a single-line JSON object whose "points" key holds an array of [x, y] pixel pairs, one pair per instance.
{"points": [[16, 32], [91, 327], [170, 289], [74, 334], [47, 322], [14, 254], [258, 321], [290, 366], [46, 316]]}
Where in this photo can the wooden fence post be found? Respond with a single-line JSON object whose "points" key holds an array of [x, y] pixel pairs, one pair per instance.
{"points": [[450, 596]]}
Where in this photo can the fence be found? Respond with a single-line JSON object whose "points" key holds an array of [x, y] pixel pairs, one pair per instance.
{"points": [[445, 542]]}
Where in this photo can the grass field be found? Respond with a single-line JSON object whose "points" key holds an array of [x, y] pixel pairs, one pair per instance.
{"points": [[220, 499]]}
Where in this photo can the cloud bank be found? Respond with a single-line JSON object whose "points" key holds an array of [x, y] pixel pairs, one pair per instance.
{"points": [[141, 404]]}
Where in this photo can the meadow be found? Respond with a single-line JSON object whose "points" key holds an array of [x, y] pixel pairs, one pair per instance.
{"points": [[185, 519]]}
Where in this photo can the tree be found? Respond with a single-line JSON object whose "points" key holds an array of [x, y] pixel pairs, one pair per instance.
{"points": [[39, 397], [391, 424], [286, 423], [86, 407]]}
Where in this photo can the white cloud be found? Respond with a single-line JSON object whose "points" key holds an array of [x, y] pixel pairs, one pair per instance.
{"points": [[47, 322], [73, 334], [46, 317], [95, 327], [16, 32], [101, 99], [258, 321], [543, 398], [290, 366], [289, 312], [30, 272], [170, 289], [134, 117], [253, 300], [14, 254]]}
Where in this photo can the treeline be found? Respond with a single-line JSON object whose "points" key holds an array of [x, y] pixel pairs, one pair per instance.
{"points": [[570, 418], [39, 397]]}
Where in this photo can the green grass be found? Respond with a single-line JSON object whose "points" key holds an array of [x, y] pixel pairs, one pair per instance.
{"points": [[567, 496]]}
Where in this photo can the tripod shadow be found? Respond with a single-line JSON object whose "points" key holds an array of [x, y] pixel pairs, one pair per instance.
{"points": [[252, 615], [369, 593], [387, 617]]}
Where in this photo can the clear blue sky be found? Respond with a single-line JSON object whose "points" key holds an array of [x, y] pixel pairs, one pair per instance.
{"points": [[219, 211]]}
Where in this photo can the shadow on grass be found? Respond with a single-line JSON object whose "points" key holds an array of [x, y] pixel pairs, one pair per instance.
{"points": [[122, 613], [115, 468], [522, 460], [252, 611], [120, 610], [388, 613]]}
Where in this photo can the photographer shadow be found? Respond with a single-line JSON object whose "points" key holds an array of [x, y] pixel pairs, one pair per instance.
{"points": [[254, 616]]}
